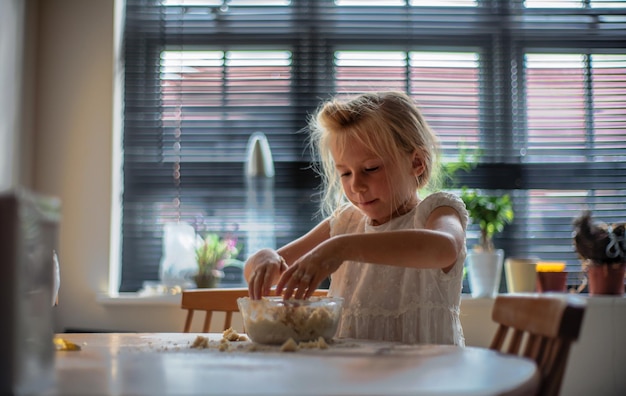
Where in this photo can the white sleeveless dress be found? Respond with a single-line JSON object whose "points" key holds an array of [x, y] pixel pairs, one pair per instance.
{"points": [[387, 303]]}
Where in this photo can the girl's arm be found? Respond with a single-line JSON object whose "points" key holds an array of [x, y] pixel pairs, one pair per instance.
{"points": [[436, 246], [297, 248], [263, 269]]}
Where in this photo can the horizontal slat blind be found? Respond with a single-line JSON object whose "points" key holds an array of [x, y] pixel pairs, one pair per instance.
{"points": [[573, 106], [540, 91], [214, 99]]}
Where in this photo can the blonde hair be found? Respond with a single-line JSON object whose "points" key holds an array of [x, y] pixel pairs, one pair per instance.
{"points": [[388, 123]]}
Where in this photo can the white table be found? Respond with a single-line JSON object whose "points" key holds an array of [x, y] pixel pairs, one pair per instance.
{"points": [[165, 364]]}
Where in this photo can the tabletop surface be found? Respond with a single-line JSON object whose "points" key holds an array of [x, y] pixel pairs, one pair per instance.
{"points": [[167, 364]]}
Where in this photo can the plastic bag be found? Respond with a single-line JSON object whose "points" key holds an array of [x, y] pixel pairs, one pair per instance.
{"points": [[178, 263]]}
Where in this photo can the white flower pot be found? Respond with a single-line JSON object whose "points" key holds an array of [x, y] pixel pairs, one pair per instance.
{"points": [[484, 271]]}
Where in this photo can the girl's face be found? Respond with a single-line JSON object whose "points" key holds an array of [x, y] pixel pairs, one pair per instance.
{"points": [[377, 188]]}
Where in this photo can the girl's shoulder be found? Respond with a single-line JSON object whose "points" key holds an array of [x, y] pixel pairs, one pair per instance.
{"points": [[442, 198], [344, 218], [345, 209]]}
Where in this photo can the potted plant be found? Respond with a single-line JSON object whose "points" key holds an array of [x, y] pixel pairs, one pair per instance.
{"points": [[602, 247], [484, 262], [491, 213], [212, 254]]}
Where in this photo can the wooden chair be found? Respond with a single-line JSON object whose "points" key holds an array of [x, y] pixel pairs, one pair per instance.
{"points": [[541, 328], [216, 300]]}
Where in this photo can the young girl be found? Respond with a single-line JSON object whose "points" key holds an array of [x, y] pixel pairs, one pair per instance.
{"points": [[397, 260]]}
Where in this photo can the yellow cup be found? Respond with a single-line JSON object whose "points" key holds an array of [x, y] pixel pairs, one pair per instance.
{"points": [[521, 274]]}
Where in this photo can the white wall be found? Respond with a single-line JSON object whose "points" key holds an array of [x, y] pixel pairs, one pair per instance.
{"points": [[72, 146], [14, 133], [76, 127]]}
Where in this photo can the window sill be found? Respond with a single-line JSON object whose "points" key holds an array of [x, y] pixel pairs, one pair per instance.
{"points": [[133, 299], [596, 300]]}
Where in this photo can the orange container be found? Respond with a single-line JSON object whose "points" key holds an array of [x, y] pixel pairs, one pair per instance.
{"points": [[551, 276]]}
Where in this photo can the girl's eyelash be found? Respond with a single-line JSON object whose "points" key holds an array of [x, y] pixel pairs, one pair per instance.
{"points": [[374, 169]]}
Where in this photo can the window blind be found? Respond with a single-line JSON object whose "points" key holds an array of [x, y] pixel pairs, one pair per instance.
{"points": [[540, 91]]}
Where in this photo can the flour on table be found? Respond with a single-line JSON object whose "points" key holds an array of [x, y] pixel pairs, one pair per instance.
{"points": [[233, 341]]}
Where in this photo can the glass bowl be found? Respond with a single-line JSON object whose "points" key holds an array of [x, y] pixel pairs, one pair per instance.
{"points": [[272, 320]]}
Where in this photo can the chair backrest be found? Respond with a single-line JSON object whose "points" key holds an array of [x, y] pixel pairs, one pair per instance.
{"points": [[216, 300], [539, 327]]}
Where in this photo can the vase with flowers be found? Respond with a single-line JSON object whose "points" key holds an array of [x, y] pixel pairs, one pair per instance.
{"points": [[212, 254], [602, 247]]}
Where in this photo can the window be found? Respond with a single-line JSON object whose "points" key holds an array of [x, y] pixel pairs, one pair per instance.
{"points": [[540, 90]]}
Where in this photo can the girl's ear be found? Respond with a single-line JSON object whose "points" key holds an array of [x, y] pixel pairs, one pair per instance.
{"points": [[418, 163]]}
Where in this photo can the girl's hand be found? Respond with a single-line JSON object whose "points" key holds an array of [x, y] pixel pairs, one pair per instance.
{"points": [[267, 266], [305, 275]]}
